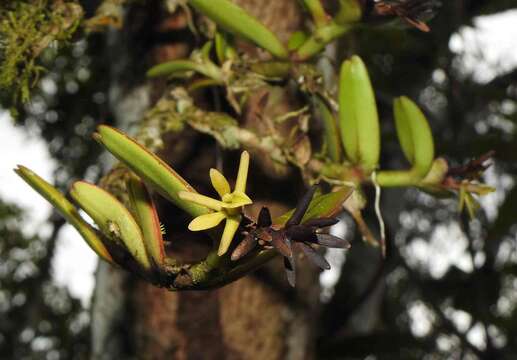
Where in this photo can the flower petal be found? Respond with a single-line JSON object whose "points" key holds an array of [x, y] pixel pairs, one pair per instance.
{"points": [[332, 241], [219, 182], [264, 218], [315, 257], [201, 200], [232, 224], [246, 245], [206, 221], [242, 174], [236, 199]]}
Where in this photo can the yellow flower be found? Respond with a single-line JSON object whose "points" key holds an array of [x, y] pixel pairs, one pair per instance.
{"points": [[229, 207]]}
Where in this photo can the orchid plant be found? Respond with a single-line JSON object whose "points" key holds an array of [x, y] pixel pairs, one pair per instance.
{"points": [[129, 234]]}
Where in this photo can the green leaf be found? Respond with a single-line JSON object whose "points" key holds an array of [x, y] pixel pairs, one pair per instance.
{"points": [[415, 136], [66, 209], [326, 205], [113, 219], [148, 167], [358, 118], [174, 66], [147, 218], [332, 139], [296, 40], [236, 20], [350, 11]]}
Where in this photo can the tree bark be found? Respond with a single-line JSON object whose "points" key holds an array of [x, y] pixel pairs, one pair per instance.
{"points": [[256, 317]]}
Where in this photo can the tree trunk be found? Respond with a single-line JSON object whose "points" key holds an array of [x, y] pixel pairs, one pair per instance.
{"points": [[256, 317]]}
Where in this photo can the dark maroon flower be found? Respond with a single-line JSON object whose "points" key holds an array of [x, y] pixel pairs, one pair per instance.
{"points": [[293, 237]]}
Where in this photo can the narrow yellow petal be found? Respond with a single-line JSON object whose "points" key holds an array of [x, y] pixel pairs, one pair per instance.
{"points": [[207, 221], [242, 175], [201, 200], [219, 182], [232, 224]]}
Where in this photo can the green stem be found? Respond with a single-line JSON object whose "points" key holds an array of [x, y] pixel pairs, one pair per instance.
{"points": [[398, 178], [318, 14], [319, 39]]}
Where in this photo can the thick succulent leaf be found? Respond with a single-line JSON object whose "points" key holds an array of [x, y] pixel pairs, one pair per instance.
{"points": [[358, 118], [174, 66], [332, 241], [234, 19], [230, 228], [148, 167], [66, 209], [414, 134], [321, 206], [147, 218], [314, 256], [219, 182], [331, 129], [114, 220], [206, 221]]}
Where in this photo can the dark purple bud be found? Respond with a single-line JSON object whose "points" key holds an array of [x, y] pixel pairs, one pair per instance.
{"points": [[332, 241], [246, 245], [282, 243], [314, 256], [290, 270], [301, 207], [321, 222], [264, 218]]}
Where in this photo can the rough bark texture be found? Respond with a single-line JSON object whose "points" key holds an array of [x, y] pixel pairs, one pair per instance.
{"points": [[256, 317]]}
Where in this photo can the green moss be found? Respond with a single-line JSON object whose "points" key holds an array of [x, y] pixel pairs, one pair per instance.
{"points": [[27, 28]]}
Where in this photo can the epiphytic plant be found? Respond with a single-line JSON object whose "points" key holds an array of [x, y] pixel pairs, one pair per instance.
{"points": [[131, 237], [128, 231]]}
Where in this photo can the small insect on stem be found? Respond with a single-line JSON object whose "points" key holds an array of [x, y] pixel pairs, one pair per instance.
{"points": [[294, 236]]}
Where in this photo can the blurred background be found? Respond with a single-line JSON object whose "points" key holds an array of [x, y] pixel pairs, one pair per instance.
{"points": [[448, 288]]}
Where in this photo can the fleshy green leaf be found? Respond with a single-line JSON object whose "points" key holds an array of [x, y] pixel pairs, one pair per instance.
{"points": [[147, 218], [175, 66], [234, 19], [114, 220], [358, 118], [415, 136], [66, 209], [148, 167], [206, 221], [326, 205], [331, 130]]}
